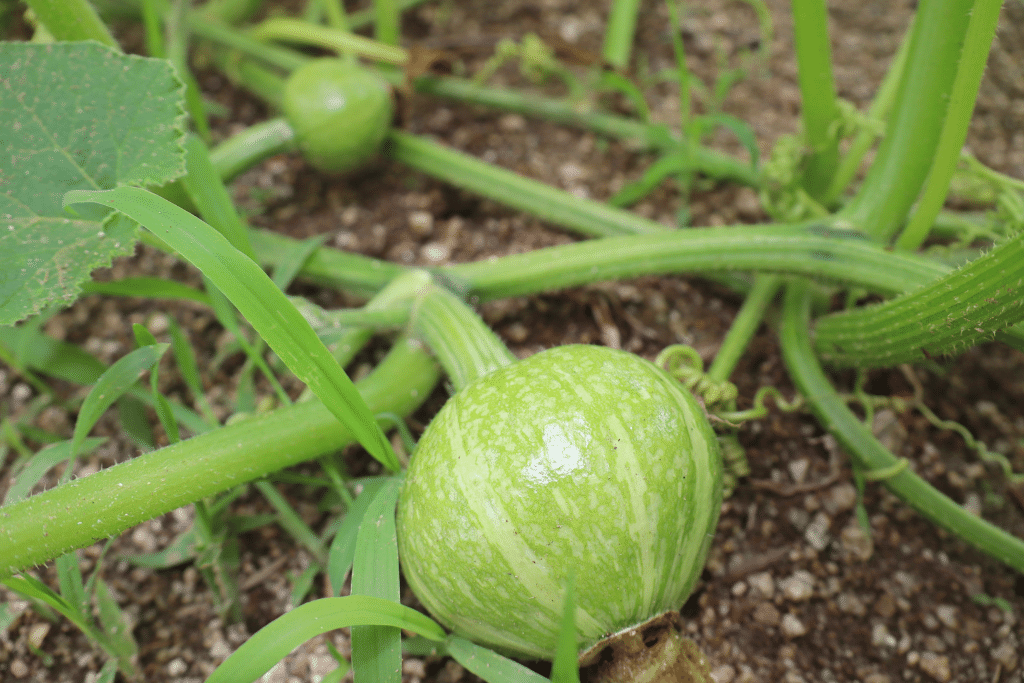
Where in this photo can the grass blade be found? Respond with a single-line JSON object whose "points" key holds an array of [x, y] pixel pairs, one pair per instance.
{"points": [[69, 362], [41, 463], [143, 337], [117, 626], [204, 187], [618, 37], [111, 385], [265, 307], [147, 288], [343, 547], [275, 640], [565, 668], [377, 650], [489, 665], [72, 584], [108, 673], [293, 258], [188, 366], [289, 519], [32, 587]]}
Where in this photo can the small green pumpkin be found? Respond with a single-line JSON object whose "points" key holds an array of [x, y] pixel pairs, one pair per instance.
{"points": [[579, 460], [340, 112]]}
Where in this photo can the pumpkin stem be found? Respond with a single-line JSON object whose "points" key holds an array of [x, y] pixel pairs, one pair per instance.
{"points": [[653, 652]]}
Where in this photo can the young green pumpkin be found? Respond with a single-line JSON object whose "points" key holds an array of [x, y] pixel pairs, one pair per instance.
{"points": [[579, 460], [340, 112]]}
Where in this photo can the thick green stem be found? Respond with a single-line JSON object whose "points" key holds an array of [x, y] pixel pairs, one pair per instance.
{"points": [[387, 20], [464, 345], [802, 249], [243, 150], [218, 32], [948, 315], [584, 216], [72, 20], [354, 273], [980, 32], [95, 507], [904, 158], [868, 453], [814, 249], [262, 81], [866, 137], [818, 93], [285, 29]]}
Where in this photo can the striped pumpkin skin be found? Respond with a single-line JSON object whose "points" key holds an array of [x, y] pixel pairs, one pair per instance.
{"points": [[580, 459]]}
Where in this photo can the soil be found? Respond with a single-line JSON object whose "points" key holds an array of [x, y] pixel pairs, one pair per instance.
{"points": [[794, 590]]}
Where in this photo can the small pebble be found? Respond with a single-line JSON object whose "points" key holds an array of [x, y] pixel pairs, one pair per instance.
{"points": [[37, 634], [416, 668], [176, 667], [885, 606], [840, 498], [1006, 654], [973, 504], [18, 669], [849, 603], [747, 675], [723, 674], [219, 649], [421, 222], [143, 537], [798, 470], [936, 666], [881, 638], [856, 542], [792, 627], [158, 324], [747, 204], [766, 614], [947, 615], [816, 534], [799, 518], [451, 673], [570, 172], [762, 583], [933, 643], [321, 665], [511, 123], [799, 586], [435, 252], [277, 674], [739, 588]]}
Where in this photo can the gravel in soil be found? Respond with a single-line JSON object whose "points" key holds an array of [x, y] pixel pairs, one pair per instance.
{"points": [[795, 589]]}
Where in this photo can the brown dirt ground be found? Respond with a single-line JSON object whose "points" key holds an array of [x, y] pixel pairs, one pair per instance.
{"points": [[793, 590]]}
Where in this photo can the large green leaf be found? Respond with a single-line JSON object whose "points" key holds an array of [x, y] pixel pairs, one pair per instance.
{"points": [[75, 116]]}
